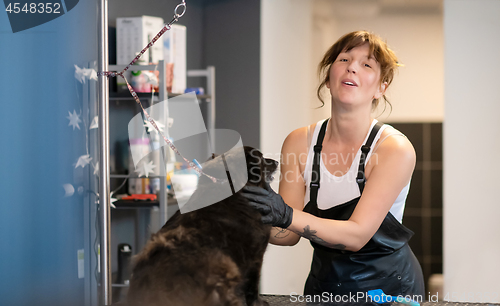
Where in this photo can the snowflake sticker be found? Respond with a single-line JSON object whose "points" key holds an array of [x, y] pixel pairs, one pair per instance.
{"points": [[74, 120], [82, 74], [83, 161], [145, 169], [94, 124]]}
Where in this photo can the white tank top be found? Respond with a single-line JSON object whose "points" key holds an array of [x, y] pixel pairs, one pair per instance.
{"points": [[336, 190]]}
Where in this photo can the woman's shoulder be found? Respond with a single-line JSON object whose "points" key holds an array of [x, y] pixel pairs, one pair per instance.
{"points": [[394, 154], [299, 139], [393, 142], [296, 147]]}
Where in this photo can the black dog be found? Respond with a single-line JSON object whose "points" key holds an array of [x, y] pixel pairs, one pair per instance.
{"points": [[209, 256]]}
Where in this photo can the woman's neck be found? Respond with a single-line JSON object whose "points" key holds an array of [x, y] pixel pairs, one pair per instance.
{"points": [[349, 127]]}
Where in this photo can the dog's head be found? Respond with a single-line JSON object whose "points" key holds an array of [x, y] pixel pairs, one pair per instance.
{"points": [[260, 169], [235, 168]]}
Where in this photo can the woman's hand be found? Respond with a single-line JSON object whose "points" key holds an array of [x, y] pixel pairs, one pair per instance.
{"points": [[270, 204]]}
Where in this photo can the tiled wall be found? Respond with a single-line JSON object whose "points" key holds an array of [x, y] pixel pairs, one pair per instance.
{"points": [[424, 206]]}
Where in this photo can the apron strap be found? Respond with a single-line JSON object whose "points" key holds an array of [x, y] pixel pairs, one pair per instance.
{"points": [[315, 174], [365, 149]]}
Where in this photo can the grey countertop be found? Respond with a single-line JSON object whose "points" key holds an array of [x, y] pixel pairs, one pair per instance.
{"points": [[282, 300]]}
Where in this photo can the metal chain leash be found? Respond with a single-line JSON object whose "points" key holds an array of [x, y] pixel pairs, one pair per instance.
{"points": [[165, 28], [179, 11]]}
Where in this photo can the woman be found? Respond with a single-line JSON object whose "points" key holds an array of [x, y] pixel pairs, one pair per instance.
{"points": [[347, 197]]}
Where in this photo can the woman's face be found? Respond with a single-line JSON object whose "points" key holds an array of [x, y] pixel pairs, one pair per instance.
{"points": [[355, 77]]}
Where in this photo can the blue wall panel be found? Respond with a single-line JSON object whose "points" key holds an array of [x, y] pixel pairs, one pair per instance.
{"points": [[40, 229]]}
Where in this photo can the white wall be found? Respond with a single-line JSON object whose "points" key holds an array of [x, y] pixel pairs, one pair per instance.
{"points": [[286, 73], [416, 93], [471, 146]]}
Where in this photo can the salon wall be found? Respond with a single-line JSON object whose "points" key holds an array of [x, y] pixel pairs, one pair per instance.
{"points": [[231, 43], [471, 143], [286, 91]]}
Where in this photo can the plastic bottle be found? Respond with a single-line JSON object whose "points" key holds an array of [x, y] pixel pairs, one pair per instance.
{"points": [[138, 147]]}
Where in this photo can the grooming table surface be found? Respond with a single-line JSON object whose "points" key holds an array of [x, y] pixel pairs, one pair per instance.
{"points": [[284, 300]]}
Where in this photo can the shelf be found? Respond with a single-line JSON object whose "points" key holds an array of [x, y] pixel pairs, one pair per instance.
{"points": [[203, 97], [166, 205], [119, 68], [135, 204], [122, 204], [125, 95], [133, 177], [119, 95]]}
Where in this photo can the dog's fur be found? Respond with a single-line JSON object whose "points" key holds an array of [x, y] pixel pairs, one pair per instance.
{"points": [[210, 256]]}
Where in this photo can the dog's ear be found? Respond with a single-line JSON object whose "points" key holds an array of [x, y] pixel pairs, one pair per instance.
{"points": [[254, 165], [213, 156]]}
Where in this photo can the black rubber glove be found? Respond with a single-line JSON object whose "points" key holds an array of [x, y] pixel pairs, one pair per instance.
{"points": [[270, 204]]}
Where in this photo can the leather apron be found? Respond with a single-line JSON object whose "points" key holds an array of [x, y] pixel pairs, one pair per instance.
{"points": [[386, 262]]}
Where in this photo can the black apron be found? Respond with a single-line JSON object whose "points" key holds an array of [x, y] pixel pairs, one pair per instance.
{"points": [[386, 262]]}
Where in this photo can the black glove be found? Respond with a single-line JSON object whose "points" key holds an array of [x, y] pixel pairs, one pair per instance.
{"points": [[270, 204]]}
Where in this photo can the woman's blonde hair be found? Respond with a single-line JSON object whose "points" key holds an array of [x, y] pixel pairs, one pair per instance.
{"points": [[378, 49]]}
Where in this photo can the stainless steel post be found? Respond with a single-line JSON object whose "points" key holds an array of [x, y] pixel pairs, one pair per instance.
{"points": [[164, 158], [211, 92], [104, 188]]}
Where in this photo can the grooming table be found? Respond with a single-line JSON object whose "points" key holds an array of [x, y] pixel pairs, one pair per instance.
{"points": [[285, 300]]}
